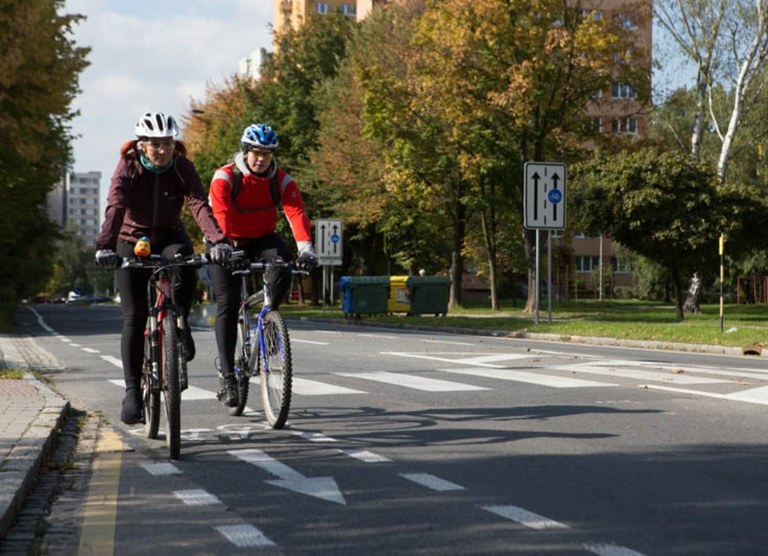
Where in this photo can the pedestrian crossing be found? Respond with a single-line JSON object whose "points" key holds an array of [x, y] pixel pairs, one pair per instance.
{"points": [[476, 373]]}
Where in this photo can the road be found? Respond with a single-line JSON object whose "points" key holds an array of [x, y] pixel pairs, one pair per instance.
{"points": [[403, 442]]}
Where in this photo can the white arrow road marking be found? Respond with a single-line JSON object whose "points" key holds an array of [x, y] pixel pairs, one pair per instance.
{"points": [[324, 488]]}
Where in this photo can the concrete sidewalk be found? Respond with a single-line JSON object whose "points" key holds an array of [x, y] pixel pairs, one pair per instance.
{"points": [[30, 415]]}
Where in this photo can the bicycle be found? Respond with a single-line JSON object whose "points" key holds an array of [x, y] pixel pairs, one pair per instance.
{"points": [[271, 362], [164, 369]]}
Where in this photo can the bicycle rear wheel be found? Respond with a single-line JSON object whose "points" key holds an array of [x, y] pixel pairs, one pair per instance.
{"points": [[275, 370], [242, 363], [171, 385], [150, 395]]}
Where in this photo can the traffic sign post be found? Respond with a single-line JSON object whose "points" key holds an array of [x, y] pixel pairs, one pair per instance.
{"points": [[544, 209], [329, 247]]}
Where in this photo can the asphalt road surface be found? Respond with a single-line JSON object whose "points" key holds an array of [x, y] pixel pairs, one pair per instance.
{"points": [[403, 442]]}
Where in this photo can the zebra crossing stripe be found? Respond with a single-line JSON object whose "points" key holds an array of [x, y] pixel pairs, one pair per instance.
{"points": [[603, 369], [305, 387], [244, 536], [530, 378], [415, 382]]}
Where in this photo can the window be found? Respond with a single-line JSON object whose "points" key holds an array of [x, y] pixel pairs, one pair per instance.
{"points": [[622, 90], [627, 22], [597, 15], [349, 9], [620, 265], [321, 7], [580, 235], [586, 263], [624, 125], [598, 94], [597, 124]]}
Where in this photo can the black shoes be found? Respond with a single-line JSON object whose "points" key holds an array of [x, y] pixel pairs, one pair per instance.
{"points": [[228, 390], [189, 344], [131, 414]]}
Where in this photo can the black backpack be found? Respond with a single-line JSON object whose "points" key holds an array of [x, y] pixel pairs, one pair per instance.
{"points": [[237, 185]]}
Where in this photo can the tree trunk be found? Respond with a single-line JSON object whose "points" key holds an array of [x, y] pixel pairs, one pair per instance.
{"points": [[691, 304], [677, 287], [529, 237], [457, 260]]}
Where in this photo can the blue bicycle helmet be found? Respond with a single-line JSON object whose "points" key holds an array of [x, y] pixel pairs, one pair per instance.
{"points": [[259, 136]]}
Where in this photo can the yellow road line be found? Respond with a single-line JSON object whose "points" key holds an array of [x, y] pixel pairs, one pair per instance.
{"points": [[100, 515]]}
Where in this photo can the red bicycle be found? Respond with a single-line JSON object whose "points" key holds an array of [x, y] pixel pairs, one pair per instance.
{"points": [[164, 370]]}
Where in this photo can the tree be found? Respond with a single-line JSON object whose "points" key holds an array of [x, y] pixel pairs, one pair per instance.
{"points": [[508, 81], [663, 206], [39, 71]]}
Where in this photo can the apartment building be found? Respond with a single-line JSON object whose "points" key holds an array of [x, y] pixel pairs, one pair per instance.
{"points": [[293, 13], [74, 204]]}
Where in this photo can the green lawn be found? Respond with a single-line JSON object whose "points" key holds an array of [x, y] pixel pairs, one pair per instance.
{"points": [[628, 319]]}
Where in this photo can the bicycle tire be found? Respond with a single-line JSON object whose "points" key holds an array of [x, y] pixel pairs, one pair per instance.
{"points": [[171, 385], [242, 365], [277, 375], [150, 395]]}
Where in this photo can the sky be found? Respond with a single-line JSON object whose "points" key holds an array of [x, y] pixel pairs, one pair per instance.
{"points": [[153, 56]]}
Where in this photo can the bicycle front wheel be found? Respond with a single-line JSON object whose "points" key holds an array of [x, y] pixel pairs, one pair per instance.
{"points": [[275, 370], [150, 395], [171, 385]]}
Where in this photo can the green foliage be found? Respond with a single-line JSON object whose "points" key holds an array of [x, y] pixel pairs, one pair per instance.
{"points": [[39, 70]]}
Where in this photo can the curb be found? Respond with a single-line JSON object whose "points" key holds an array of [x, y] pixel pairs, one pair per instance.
{"points": [[19, 472]]}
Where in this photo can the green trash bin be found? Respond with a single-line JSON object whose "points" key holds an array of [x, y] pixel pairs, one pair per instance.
{"points": [[364, 295], [429, 294]]}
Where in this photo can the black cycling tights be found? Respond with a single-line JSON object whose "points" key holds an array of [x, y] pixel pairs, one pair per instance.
{"points": [[132, 285]]}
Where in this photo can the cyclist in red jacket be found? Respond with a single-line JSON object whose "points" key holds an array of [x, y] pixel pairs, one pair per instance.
{"points": [[245, 195], [151, 182]]}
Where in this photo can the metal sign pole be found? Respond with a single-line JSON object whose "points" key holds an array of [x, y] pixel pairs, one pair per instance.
{"points": [[549, 275], [538, 265]]}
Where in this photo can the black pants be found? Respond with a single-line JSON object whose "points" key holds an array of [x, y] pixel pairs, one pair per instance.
{"points": [[132, 284], [226, 288]]}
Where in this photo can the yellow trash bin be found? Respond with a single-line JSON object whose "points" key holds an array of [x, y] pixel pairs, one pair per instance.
{"points": [[399, 296]]}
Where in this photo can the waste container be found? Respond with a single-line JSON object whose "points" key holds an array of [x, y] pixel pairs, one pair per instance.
{"points": [[399, 295], [429, 294], [364, 295]]}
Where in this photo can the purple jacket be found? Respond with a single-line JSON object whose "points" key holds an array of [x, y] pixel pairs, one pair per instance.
{"points": [[142, 203]]}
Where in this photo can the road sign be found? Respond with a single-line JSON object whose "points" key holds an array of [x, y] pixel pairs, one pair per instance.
{"points": [[329, 242], [544, 195]]}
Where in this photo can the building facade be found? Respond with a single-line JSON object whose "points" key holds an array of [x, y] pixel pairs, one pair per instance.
{"points": [[75, 204]]}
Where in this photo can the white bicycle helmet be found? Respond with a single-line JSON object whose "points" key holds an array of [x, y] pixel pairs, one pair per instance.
{"points": [[156, 124]]}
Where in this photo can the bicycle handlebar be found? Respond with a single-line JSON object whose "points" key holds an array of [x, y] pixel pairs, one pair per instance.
{"points": [[238, 261], [158, 261]]}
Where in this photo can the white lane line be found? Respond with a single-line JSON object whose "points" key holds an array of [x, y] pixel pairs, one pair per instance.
{"points": [[530, 378], [305, 387], [447, 342], [638, 374], [415, 382], [113, 360], [431, 482], [482, 361], [244, 536], [74, 345], [382, 336], [159, 469], [65, 339], [196, 497], [610, 550], [524, 517], [297, 341], [91, 350], [366, 456]]}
